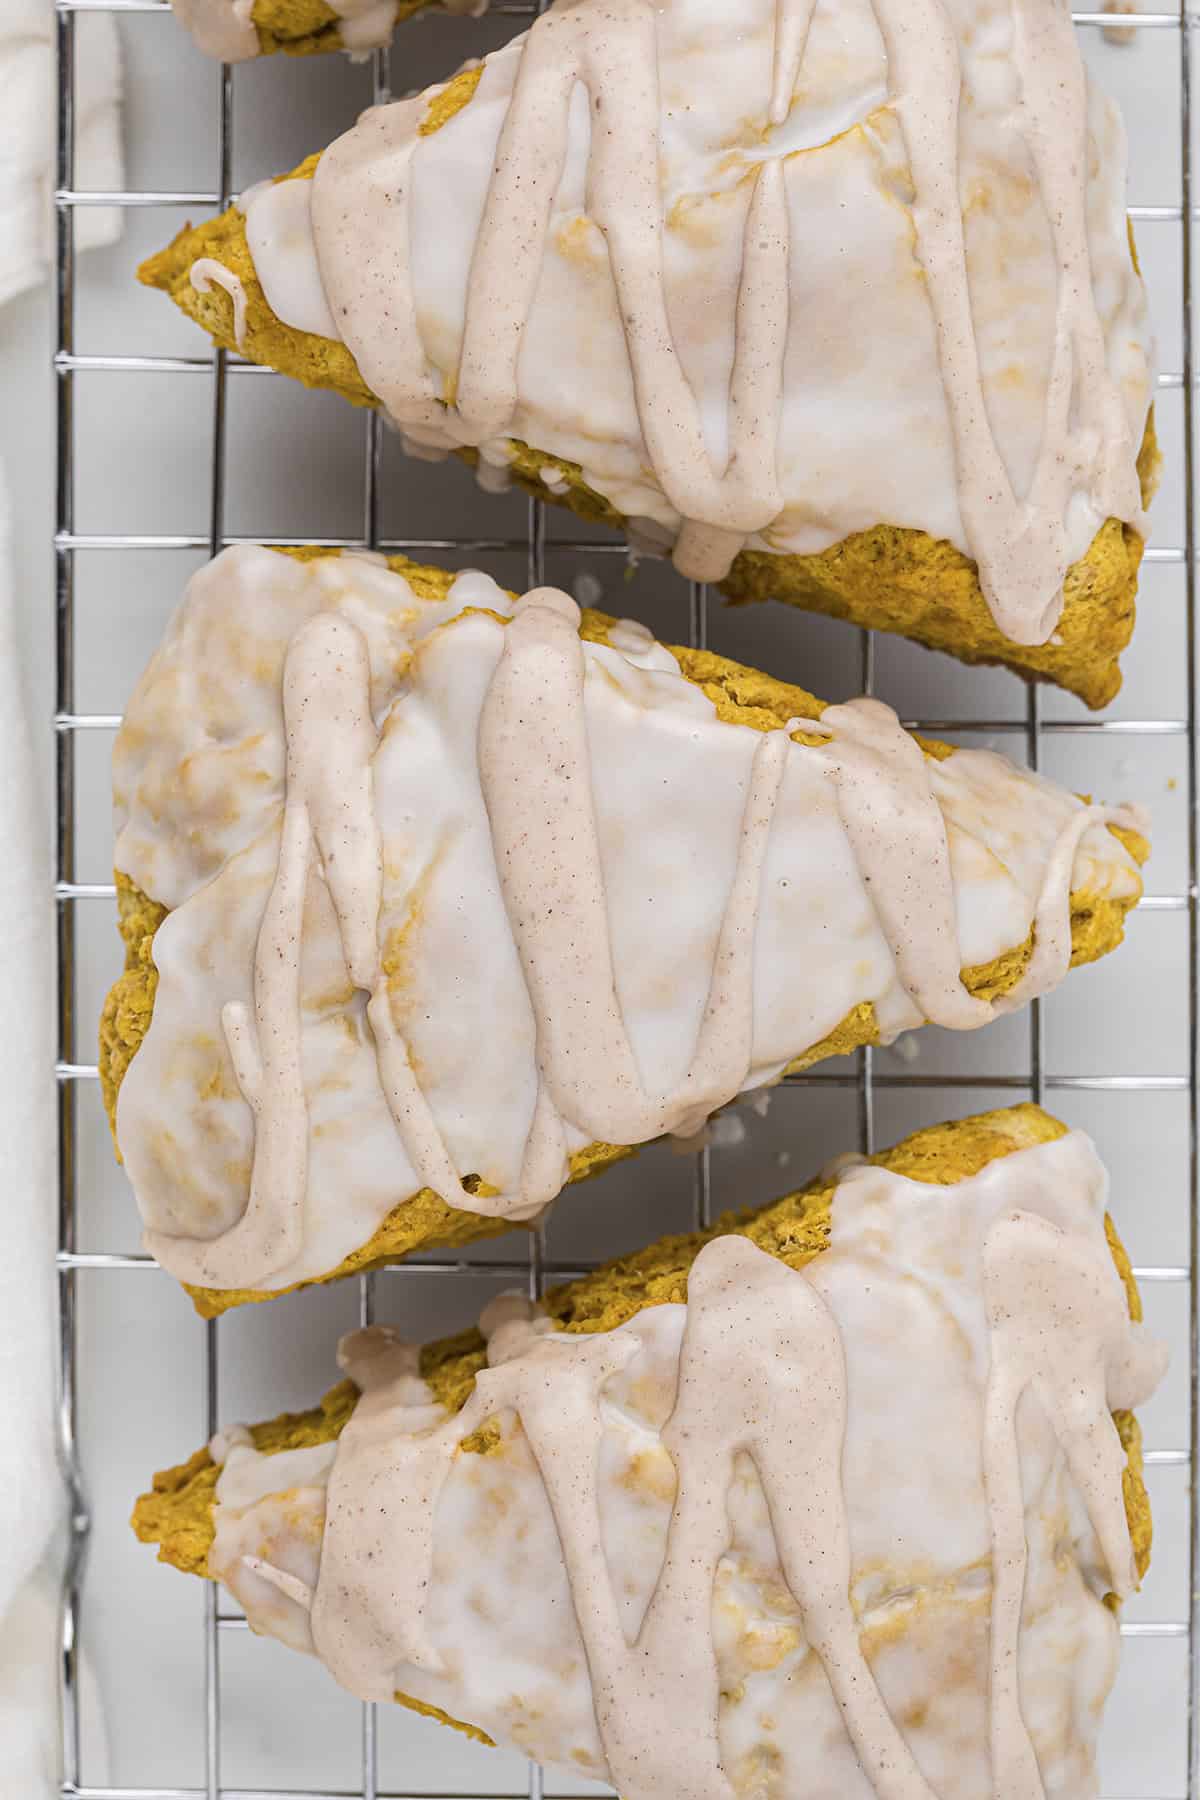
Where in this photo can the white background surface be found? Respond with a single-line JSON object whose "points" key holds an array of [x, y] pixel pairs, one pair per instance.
{"points": [[295, 469]]}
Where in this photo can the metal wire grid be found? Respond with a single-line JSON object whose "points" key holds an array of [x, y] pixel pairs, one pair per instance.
{"points": [[72, 729]]}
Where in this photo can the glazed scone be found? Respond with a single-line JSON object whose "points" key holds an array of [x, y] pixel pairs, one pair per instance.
{"points": [[830, 1500], [842, 308], [237, 30], [434, 898]]}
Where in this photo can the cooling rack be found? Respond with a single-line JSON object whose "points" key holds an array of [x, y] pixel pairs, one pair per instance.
{"points": [[1095, 1069]]}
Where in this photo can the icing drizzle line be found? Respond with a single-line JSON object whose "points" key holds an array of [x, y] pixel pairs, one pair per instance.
{"points": [[536, 781], [1060, 1327], [610, 47], [204, 272], [761, 1373], [1019, 544], [534, 760], [612, 50]]}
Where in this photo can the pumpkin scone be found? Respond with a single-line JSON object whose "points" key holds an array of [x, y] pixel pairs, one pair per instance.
{"points": [[847, 1491], [837, 305], [238, 30], [435, 899]]}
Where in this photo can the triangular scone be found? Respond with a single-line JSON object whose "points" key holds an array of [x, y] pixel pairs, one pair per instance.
{"points": [[785, 296], [738, 1501], [531, 887], [238, 30]]}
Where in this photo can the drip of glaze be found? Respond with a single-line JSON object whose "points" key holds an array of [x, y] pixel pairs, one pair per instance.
{"points": [[535, 775], [365, 25], [761, 1374], [221, 28], [610, 48], [1060, 1326], [204, 272]]}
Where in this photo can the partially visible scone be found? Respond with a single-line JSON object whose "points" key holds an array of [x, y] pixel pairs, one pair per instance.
{"points": [[237, 30]]}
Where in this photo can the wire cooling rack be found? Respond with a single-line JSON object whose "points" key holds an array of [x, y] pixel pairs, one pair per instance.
{"points": [[1100, 1086]]}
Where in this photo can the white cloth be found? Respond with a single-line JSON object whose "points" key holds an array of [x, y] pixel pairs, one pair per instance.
{"points": [[28, 1692], [29, 85], [32, 1494]]}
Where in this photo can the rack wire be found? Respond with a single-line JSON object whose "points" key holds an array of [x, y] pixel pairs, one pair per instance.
{"points": [[77, 734]]}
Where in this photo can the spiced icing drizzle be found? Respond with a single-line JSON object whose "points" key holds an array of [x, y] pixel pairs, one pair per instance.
{"points": [[740, 1546]]}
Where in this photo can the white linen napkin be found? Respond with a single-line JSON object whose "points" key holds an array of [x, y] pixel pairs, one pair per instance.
{"points": [[29, 85], [32, 1494]]}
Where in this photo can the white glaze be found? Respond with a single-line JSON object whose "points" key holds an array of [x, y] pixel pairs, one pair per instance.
{"points": [[538, 872], [279, 234], [562, 1594], [536, 775], [204, 272], [711, 303]]}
